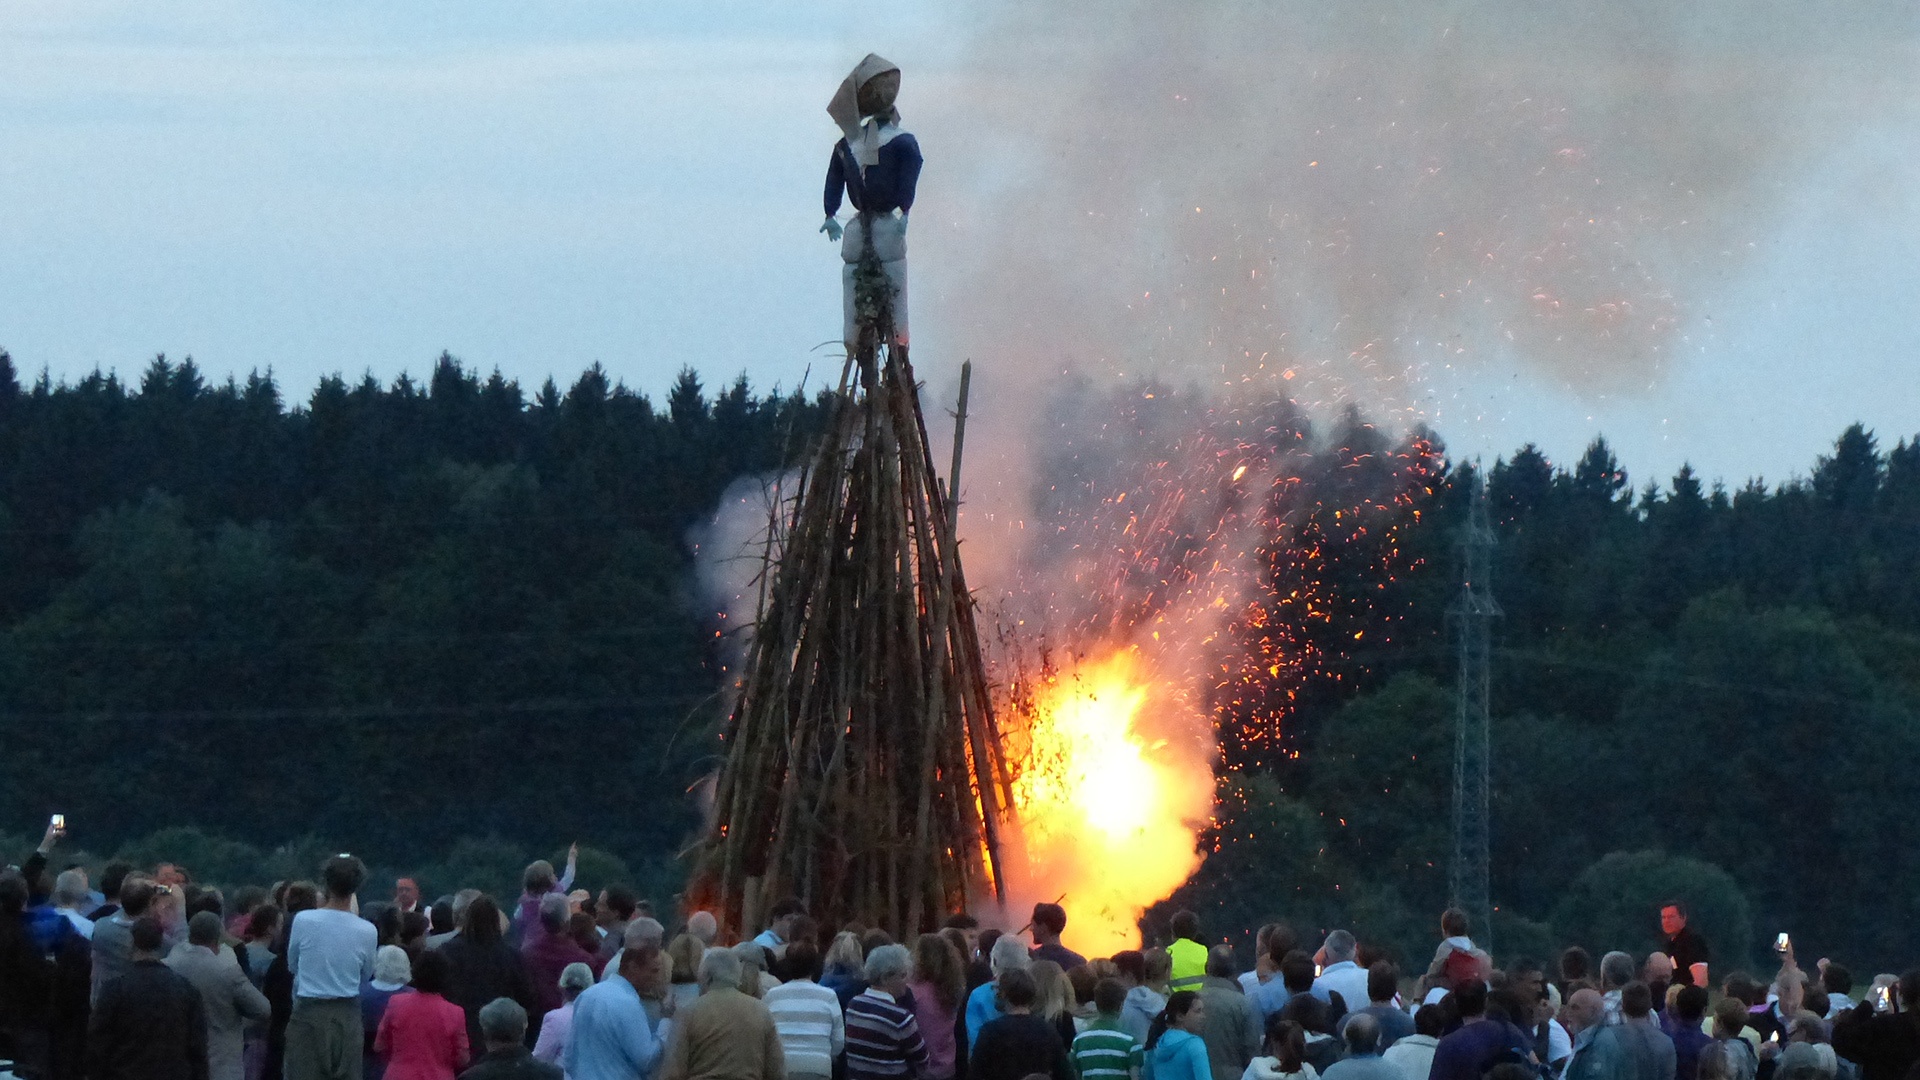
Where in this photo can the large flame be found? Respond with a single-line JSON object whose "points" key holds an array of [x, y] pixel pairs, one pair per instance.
{"points": [[1111, 789]]}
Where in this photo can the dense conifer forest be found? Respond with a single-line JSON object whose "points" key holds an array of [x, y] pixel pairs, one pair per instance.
{"points": [[450, 623]]}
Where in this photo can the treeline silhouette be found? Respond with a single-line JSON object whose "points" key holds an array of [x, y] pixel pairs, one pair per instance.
{"points": [[451, 622]]}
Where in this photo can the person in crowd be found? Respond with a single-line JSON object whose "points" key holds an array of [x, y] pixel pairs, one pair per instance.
{"points": [[1657, 973], [329, 953], [724, 1034], [414, 928], [1885, 1045], [756, 978], [938, 989], [1383, 987], [1263, 968], [392, 972], [1683, 1024], [551, 1046], [1048, 923], [228, 998], [263, 929], [277, 984], [1789, 995], [547, 954], [654, 935], [1413, 1054], [684, 953], [1106, 1050], [614, 910], [703, 925], [113, 935], [1730, 1032], [1232, 1030], [1683, 946], [111, 879], [883, 1037], [983, 1004], [1271, 996], [1188, 955], [1635, 1048], [70, 899], [1363, 1060], [1018, 1043], [1616, 971], [1715, 1064], [421, 1033], [1837, 981], [1145, 977], [779, 929], [406, 895], [1314, 1016], [1481, 1041], [537, 882], [457, 912], [504, 1023], [1339, 974], [807, 1016], [1576, 966], [1583, 1015], [26, 982], [613, 1038], [1452, 961], [482, 966], [845, 967], [1286, 1054], [1174, 1049], [148, 1023], [1053, 999]]}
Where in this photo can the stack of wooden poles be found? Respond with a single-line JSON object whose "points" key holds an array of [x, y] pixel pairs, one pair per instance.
{"points": [[863, 772]]}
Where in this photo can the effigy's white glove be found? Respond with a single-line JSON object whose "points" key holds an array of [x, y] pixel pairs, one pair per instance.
{"points": [[832, 228]]}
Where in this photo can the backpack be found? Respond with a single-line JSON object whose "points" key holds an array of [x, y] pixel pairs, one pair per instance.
{"points": [[1460, 968]]}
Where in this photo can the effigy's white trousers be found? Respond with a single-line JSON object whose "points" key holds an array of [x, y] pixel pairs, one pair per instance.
{"points": [[890, 247]]}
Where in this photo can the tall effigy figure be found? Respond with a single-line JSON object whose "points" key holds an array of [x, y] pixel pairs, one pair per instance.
{"points": [[878, 166]]}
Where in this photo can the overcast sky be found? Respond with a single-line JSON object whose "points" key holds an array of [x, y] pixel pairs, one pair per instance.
{"points": [[351, 186]]}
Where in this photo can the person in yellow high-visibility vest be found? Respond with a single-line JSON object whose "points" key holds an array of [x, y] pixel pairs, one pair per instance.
{"points": [[1189, 956]]}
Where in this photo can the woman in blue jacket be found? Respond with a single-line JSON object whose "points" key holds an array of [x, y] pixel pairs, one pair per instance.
{"points": [[1175, 1050]]}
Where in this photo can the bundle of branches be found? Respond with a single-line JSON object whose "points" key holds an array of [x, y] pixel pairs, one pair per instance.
{"points": [[863, 773]]}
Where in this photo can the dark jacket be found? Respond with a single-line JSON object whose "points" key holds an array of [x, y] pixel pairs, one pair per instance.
{"points": [[1015, 1047], [480, 973], [1886, 1046], [514, 1064], [149, 1024]]}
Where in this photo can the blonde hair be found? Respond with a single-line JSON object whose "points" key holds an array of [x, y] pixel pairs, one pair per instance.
{"points": [[1053, 991], [685, 952], [845, 954]]}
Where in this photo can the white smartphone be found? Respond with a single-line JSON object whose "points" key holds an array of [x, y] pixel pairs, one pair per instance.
{"points": [[1782, 943]]}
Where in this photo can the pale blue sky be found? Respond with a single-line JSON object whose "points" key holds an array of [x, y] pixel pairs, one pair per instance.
{"points": [[354, 187]]}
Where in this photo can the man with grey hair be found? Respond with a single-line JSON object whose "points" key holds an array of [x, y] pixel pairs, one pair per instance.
{"points": [[1616, 971], [227, 995], [503, 1024], [613, 1038], [70, 900], [461, 900], [983, 1004], [1363, 1060], [1339, 974], [1231, 1029], [723, 1034], [883, 1035], [704, 927], [648, 932]]}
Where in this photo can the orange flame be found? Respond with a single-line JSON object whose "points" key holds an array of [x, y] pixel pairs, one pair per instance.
{"points": [[1110, 795]]}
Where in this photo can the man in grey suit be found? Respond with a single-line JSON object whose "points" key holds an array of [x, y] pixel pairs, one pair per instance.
{"points": [[230, 997]]}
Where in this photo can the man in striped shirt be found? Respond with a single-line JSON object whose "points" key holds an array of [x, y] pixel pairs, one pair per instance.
{"points": [[806, 1014], [1106, 1050], [883, 1038]]}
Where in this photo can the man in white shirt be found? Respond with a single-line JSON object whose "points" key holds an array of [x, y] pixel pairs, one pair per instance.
{"points": [[329, 951], [1339, 973]]}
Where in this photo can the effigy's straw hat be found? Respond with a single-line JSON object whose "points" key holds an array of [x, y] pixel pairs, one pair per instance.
{"points": [[845, 108]]}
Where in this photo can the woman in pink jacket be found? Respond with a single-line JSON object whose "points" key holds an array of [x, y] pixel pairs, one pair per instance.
{"points": [[423, 1036]]}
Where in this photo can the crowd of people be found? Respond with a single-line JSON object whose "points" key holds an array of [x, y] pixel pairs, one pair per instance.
{"points": [[155, 977]]}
